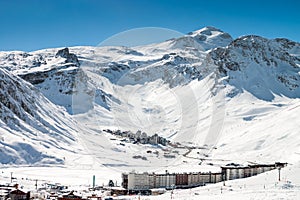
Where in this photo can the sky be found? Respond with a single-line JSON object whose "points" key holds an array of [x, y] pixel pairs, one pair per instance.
{"points": [[29, 25]]}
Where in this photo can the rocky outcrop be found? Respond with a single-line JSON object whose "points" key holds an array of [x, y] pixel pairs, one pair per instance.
{"points": [[254, 49], [70, 57], [12, 100], [262, 67]]}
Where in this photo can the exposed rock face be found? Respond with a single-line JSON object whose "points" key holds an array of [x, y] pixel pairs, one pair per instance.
{"points": [[70, 57], [28, 118], [255, 49], [56, 81], [12, 102], [273, 66]]}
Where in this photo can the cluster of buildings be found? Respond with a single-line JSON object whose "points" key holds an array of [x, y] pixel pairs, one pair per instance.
{"points": [[140, 137], [59, 192], [140, 183], [137, 182]]}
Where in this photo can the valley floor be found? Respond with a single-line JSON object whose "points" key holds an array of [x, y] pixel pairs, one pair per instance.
{"points": [[262, 186]]}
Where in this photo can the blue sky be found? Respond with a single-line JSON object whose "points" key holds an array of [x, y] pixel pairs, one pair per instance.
{"points": [[36, 24]]}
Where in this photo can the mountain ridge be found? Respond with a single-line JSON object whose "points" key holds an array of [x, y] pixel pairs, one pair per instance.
{"points": [[187, 89]]}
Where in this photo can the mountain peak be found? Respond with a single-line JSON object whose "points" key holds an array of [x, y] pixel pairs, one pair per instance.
{"points": [[207, 30], [210, 37]]}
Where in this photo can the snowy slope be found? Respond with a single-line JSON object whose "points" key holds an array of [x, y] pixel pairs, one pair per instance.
{"points": [[263, 67], [231, 100], [33, 130]]}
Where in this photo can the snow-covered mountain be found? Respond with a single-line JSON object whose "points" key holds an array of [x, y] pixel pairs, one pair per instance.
{"points": [[261, 66], [33, 130], [217, 96]]}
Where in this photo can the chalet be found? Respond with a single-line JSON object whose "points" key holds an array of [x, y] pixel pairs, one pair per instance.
{"points": [[19, 195], [55, 188], [70, 196], [94, 197], [52, 196], [4, 192], [117, 191]]}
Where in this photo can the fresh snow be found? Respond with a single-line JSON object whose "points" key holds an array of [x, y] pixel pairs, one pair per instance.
{"points": [[231, 100]]}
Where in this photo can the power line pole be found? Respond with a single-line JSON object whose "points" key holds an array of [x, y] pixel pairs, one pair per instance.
{"points": [[94, 181]]}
